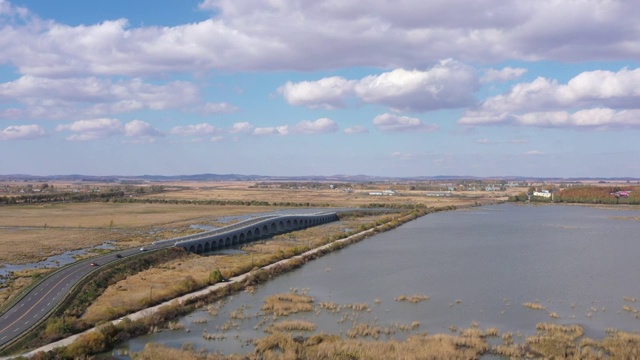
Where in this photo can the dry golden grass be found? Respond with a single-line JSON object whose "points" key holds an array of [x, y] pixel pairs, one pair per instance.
{"points": [[100, 215], [412, 298], [20, 281], [286, 304], [20, 246], [534, 306], [25, 238], [291, 325], [231, 191]]}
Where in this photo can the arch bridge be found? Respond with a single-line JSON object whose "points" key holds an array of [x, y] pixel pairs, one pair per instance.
{"points": [[251, 230]]}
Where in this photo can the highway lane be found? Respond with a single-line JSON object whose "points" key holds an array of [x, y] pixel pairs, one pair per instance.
{"points": [[48, 293]]}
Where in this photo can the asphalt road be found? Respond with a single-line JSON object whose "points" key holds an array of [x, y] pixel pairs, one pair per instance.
{"points": [[47, 294]]}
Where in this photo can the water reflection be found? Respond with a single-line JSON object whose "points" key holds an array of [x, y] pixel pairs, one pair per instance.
{"points": [[53, 262]]}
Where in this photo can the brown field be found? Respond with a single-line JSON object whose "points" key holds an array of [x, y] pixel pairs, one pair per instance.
{"points": [[32, 232], [331, 197]]}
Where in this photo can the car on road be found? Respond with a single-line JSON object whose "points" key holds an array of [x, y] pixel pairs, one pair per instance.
{"points": [[118, 256], [142, 249], [94, 264]]}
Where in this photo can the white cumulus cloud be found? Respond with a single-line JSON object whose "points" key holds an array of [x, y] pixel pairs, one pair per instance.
{"points": [[271, 130], [449, 84], [195, 130], [22, 132], [92, 96], [257, 35], [241, 127], [141, 131], [320, 126], [94, 129], [504, 74], [394, 123], [217, 108], [328, 93], [603, 98], [356, 129]]}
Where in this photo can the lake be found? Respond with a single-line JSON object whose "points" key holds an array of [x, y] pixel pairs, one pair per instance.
{"points": [[475, 265]]}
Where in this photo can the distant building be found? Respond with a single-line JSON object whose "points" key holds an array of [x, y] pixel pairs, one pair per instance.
{"points": [[439, 193], [381, 193], [543, 193]]}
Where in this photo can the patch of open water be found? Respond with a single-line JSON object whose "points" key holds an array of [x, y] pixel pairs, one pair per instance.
{"points": [[480, 264]]}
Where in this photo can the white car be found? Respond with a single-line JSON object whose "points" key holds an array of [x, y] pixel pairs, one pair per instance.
{"points": [[142, 249]]}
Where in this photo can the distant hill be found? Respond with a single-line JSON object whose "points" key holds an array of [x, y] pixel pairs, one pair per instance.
{"points": [[328, 178]]}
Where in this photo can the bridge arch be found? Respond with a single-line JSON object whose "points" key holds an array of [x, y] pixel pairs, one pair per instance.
{"points": [[254, 230]]}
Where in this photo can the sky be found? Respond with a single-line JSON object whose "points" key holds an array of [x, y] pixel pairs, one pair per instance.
{"points": [[546, 88]]}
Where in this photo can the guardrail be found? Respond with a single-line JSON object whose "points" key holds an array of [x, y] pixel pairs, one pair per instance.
{"points": [[63, 301]]}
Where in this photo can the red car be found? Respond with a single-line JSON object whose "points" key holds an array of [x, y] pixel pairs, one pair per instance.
{"points": [[94, 264]]}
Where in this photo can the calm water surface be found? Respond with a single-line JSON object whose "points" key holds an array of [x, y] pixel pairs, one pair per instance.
{"points": [[477, 265]]}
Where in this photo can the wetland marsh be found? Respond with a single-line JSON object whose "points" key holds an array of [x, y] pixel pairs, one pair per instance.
{"points": [[502, 267]]}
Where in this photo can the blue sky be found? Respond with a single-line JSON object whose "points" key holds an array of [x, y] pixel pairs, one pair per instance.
{"points": [[289, 87]]}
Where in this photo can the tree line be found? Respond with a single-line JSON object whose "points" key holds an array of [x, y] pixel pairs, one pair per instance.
{"points": [[589, 195]]}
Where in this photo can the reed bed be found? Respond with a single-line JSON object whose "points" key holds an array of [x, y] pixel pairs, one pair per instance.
{"points": [[174, 325], [412, 298], [286, 304], [291, 325], [534, 306], [207, 336]]}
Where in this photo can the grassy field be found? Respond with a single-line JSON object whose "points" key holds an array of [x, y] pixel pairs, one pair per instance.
{"points": [[30, 233], [226, 191]]}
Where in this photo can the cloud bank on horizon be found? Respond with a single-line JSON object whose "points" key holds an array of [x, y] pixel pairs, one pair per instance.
{"points": [[323, 87]]}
